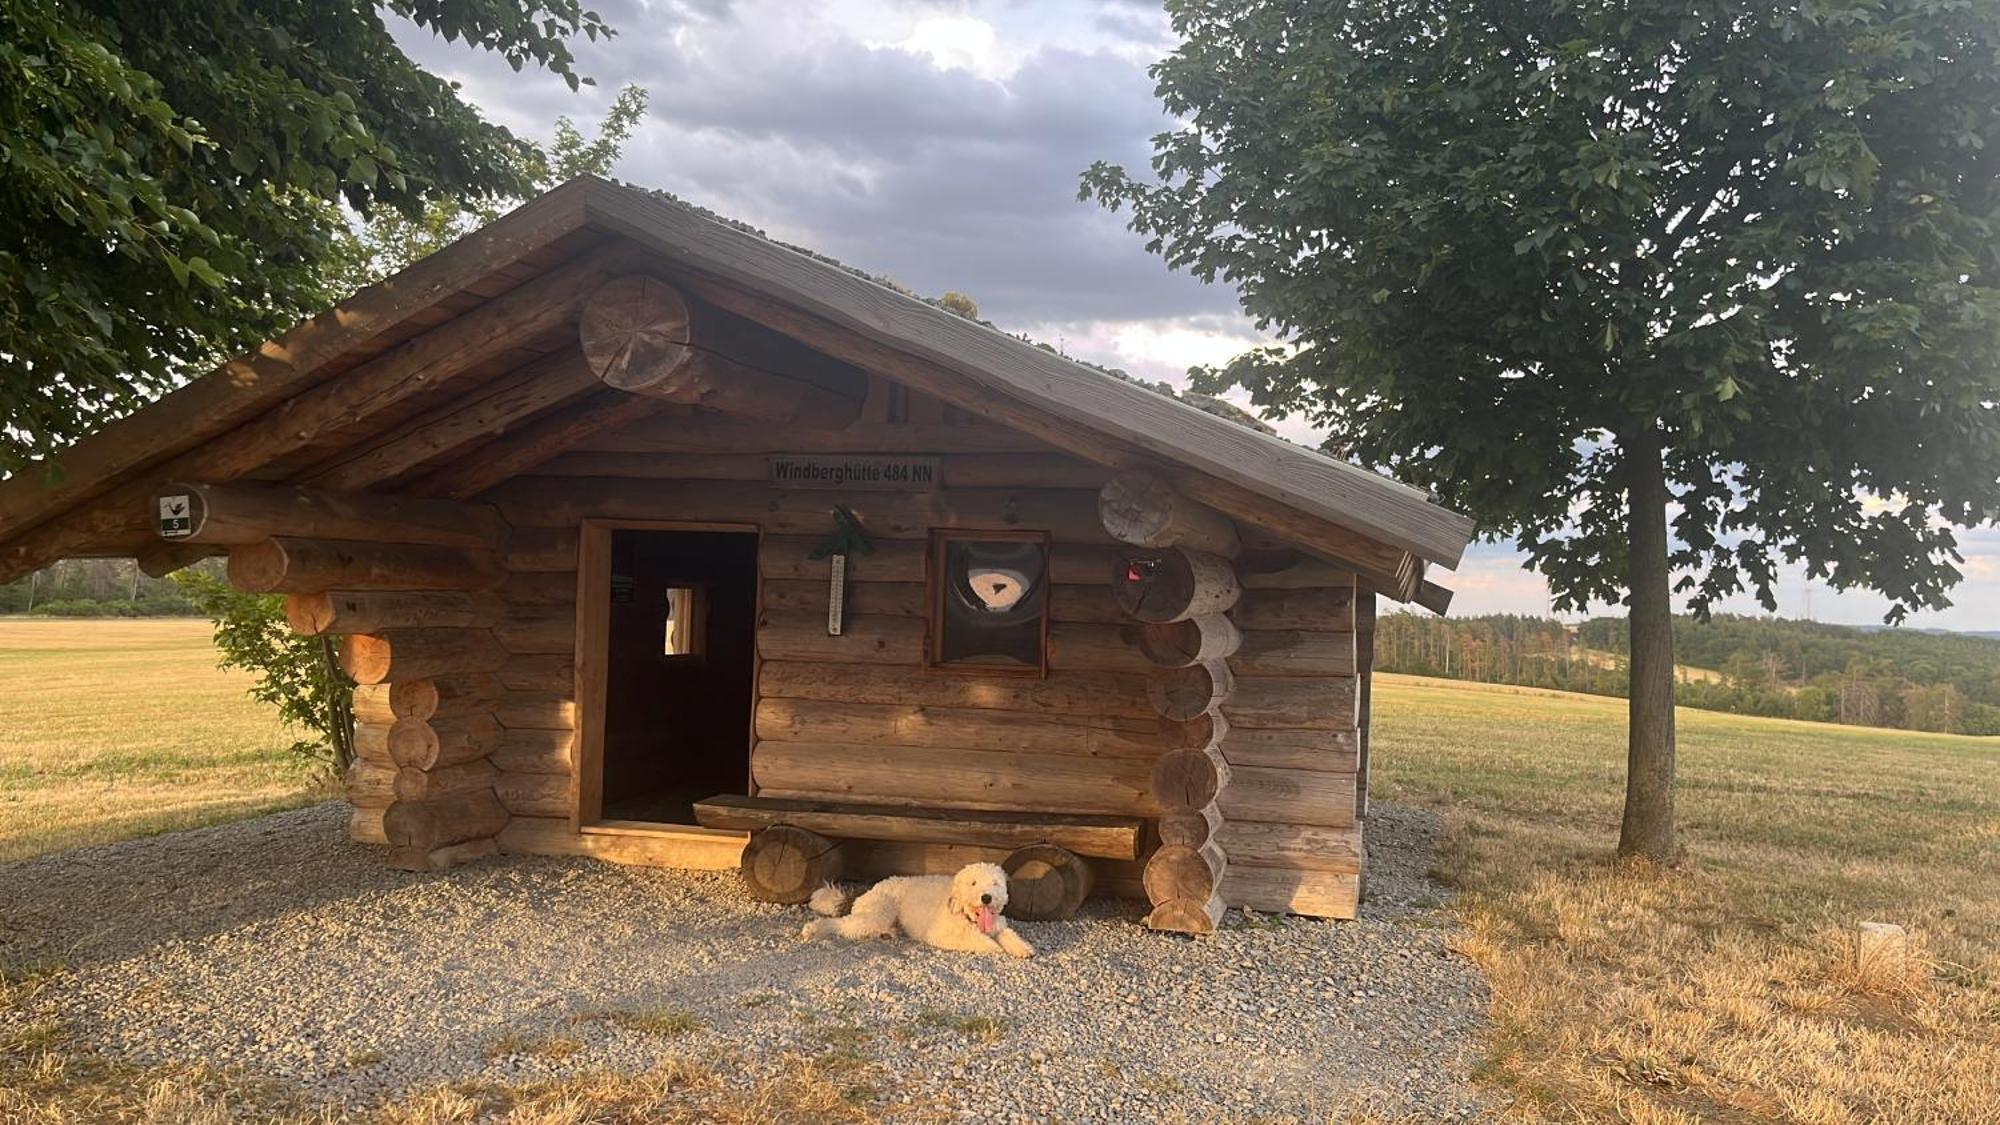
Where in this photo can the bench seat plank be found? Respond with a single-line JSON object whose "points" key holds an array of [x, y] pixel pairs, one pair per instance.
{"points": [[1103, 837]]}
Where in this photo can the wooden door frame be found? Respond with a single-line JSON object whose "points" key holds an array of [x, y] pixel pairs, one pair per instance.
{"points": [[593, 658]]}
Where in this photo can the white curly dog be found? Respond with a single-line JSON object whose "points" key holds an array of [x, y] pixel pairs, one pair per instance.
{"points": [[960, 912]]}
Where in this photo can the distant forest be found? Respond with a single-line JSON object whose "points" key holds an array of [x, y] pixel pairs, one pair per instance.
{"points": [[1746, 665], [98, 588]]}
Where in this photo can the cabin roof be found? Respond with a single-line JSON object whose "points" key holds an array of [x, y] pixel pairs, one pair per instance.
{"points": [[324, 377]]}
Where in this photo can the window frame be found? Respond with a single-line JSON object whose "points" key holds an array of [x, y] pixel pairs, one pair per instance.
{"points": [[934, 588]]}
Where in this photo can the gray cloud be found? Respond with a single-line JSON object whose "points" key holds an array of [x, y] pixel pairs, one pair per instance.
{"points": [[943, 179]]}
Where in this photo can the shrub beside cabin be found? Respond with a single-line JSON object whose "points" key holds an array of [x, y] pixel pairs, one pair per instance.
{"points": [[650, 539]]}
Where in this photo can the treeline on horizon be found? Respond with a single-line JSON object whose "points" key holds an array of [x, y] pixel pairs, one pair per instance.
{"points": [[98, 588], [1779, 668]]}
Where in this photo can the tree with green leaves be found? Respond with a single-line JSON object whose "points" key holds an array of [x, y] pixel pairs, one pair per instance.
{"points": [[300, 676], [169, 172], [389, 240], [1672, 292]]}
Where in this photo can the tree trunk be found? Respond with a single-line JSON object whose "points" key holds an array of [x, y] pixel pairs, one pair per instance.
{"points": [[1648, 828]]}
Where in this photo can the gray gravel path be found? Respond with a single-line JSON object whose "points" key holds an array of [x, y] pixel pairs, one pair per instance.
{"points": [[275, 946]]}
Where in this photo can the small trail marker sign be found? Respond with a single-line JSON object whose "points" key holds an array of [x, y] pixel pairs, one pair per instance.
{"points": [[176, 517]]}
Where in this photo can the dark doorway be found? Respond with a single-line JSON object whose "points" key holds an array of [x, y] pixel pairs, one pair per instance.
{"points": [[681, 650]]}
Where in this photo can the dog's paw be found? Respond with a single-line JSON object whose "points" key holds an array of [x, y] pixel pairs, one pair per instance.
{"points": [[809, 931], [1020, 951]]}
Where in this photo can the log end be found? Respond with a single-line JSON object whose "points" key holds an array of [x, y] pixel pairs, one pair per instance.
{"points": [[635, 332], [1045, 883], [1186, 916], [786, 865], [365, 658], [257, 568], [309, 615]]}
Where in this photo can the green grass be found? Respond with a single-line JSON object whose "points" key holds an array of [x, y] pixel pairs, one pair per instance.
{"points": [[1729, 987], [111, 729], [663, 1022]]}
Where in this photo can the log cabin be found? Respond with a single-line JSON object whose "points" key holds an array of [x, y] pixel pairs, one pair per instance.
{"points": [[650, 539]]}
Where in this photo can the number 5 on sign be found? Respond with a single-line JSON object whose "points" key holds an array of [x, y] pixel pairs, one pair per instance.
{"points": [[175, 521]]}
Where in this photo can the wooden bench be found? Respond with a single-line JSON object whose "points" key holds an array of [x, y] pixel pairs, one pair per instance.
{"points": [[794, 846]]}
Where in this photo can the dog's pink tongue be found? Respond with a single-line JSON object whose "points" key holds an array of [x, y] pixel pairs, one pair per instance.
{"points": [[985, 921]]}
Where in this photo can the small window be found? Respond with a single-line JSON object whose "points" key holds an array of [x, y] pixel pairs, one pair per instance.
{"points": [[686, 622], [989, 601]]}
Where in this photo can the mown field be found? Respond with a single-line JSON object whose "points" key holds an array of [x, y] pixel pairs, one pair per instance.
{"points": [[111, 729], [1728, 989]]}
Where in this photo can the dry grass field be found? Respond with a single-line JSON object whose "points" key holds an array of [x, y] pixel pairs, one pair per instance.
{"points": [[1726, 990], [1729, 989], [118, 728]]}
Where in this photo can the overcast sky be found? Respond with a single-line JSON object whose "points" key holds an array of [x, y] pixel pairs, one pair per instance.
{"points": [[940, 143]]}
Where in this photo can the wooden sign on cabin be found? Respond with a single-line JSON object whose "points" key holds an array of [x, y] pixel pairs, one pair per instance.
{"points": [[887, 474]]}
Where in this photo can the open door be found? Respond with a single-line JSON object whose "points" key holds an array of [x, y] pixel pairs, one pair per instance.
{"points": [[668, 714]]}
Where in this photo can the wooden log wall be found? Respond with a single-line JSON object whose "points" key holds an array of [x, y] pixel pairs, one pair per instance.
{"points": [[1296, 725], [858, 717], [410, 588]]}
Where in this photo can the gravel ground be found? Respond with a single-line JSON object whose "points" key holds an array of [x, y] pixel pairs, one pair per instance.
{"points": [[275, 946]]}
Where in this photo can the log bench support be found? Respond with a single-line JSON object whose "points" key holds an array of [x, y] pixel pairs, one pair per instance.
{"points": [[795, 848], [1176, 585]]}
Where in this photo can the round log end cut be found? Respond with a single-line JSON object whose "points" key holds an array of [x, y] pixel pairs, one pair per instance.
{"points": [[1182, 693], [1189, 827], [1189, 778], [1159, 586], [786, 864], [258, 568], [1045, 882], [635, 332], [309, 615], [1177, 644], [1186, 916], [365, 658], [1177, 872], [1137, 508]]}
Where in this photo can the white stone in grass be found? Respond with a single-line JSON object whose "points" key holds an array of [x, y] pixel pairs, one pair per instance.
{"points": [[1877, 941]]}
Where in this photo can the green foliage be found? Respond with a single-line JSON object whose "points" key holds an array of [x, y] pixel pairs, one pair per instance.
{"points": [[389, 241], [170, 173], [298, 675], [1772, 667], [959, 304], [1506, 245]]}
